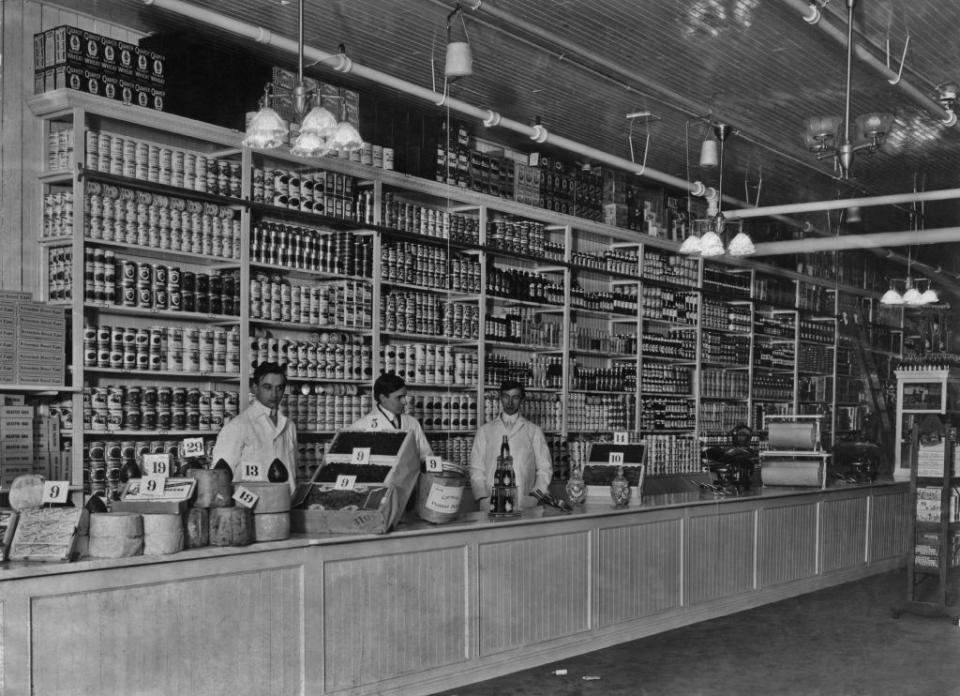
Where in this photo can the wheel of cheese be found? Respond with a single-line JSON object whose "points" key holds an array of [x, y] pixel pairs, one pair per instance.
{"points": [[231, 526], [271, 526], [197, 528], [214, 488], [162, 534], [26, 491], [273, 497], [116, 534]]}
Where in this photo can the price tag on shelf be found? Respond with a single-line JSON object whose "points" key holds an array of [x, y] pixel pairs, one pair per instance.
{"points": [[434, 465], [252, 471], [361, 455], [345, 482], [621, 437], [615, 458], [156, 463], [193, 447], [55, 492], [153, 484], [244, 497]]}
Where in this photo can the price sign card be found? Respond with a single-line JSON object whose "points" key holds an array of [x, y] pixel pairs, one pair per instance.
{"points": [[434, 465], [621, 437], [345, 482], [615, 458], [193, 447], [153, 485], [55, 492], [252, 471], [360, 455], [157, 464], [244, 497]]}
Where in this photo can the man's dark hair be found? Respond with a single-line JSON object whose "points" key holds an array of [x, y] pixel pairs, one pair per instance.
{"points": [[268, 368], [386, 384], [510, 384]]}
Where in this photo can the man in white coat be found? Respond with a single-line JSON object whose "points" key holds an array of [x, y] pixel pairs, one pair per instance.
{"points": [[390, 395], [528, 447]]}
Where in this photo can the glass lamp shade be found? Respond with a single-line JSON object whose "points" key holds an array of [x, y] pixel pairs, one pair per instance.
{"points": [[708, 153], [711, 244], [318, 121], [309, 145], [345, 137], [929, 296], [691, 245], [871, 128], [821, 132], [912, 296], [741, 245], [891, 297], [266, 130]]}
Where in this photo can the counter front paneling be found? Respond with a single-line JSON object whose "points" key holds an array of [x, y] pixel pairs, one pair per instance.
{"points": [[429, 607]]}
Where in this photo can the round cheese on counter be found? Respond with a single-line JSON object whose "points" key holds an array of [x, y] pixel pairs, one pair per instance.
{"points": [[116, 534], [231, 526], [214, 487], [26, 491], [197, 528], [271, 526], [273, 497], [162, 534]]}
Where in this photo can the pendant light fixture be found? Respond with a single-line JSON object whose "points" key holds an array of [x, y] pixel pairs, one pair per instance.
{"points": [[319, 131], [459, 60], [831, 136]]}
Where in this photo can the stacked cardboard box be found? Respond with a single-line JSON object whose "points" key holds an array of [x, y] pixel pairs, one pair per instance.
{"points": [[16, 443], [72, 58], [930, 460], [41, 340], [928, 504], [926, 550]]}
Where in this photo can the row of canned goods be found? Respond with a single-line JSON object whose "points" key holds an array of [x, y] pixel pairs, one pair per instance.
{"points": [[103, 460], [430, 222], [314, 360], [429, 315], [425, 363], [324, 193], [139, 159], [325, 412], [443, 411], [118, 214], [543, 408], [131, 283], [453, 449], [173, 348], [57, 214], [120, 408], [346, 303]]}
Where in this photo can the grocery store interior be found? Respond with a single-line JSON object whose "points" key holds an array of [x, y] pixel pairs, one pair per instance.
{"points": [[479, 346]]}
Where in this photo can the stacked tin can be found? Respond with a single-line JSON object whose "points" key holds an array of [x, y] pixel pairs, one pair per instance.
{"points": [[174, 348], [542, 408], [428, 315], [60, 273], [453, 449], [103, 461], [338, 356], [325, 408], [57, 214], [344, 303], [139, 159], [427, 363], [310, 248], [117, 408], [430, 222], [443, 410], [417, 264], [120, 214], [321, 192]]}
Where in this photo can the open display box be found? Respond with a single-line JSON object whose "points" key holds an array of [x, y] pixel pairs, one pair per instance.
{"points": [[363, 487], [601, 468]]}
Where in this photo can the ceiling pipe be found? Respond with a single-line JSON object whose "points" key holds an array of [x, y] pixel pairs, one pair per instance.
{"points": [[812, 15], [841, 203], [847, 242], [490, 118]]}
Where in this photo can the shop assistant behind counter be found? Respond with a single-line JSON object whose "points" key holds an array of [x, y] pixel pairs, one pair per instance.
{"points": [[261, 433], [528, 447]]}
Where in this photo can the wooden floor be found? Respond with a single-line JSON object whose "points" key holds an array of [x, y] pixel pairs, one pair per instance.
{"points": [[841, 641]]}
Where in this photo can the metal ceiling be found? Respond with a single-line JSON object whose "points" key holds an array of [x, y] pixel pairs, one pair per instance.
{"points": [[582, 65]]}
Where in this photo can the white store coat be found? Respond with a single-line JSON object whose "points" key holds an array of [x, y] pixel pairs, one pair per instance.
{"points": [[376, 421], [531, 459]]}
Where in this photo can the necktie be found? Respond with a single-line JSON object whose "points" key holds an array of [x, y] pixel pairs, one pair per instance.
{"points": [[273, 416]]}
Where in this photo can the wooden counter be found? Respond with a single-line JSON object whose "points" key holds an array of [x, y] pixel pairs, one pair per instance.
{"points": [[427, 608]]}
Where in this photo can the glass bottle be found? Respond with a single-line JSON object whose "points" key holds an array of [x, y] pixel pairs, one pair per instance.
{"points": [[620, 489], [576, 488]]}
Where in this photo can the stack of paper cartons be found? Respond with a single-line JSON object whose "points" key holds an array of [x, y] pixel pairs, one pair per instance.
{"points": [[16, 443], [8, 335], [41, 339], [46, 447]]}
